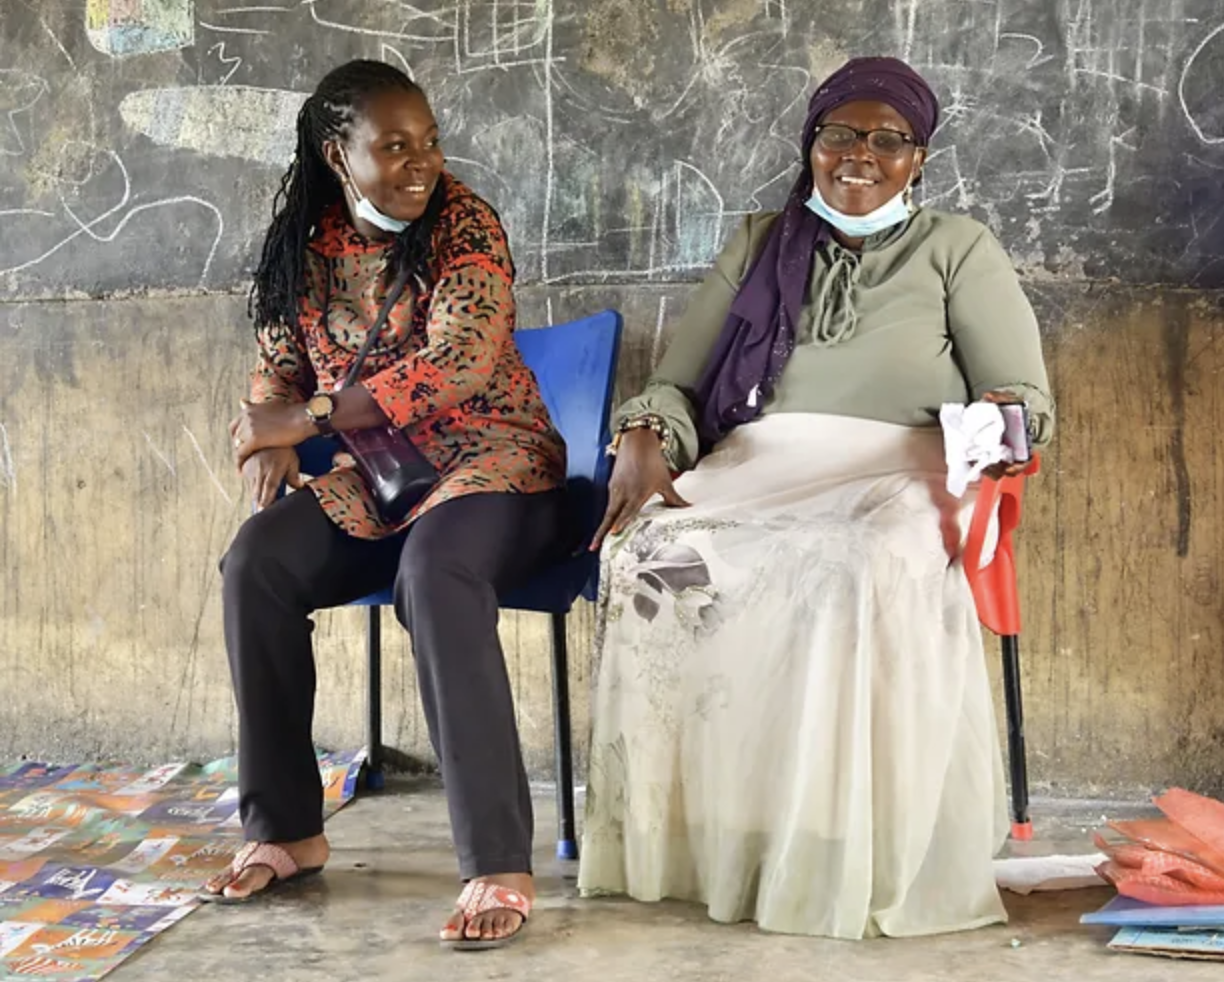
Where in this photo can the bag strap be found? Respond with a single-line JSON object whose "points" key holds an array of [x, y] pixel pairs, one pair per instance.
{"points": [[393, 295]]}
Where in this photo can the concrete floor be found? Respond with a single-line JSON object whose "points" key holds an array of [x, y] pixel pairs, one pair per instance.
{"points": [[376, 913]]}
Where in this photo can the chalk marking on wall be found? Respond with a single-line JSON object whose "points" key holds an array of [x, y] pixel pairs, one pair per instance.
{"points": [[233, 30], [680, 100], [906, 14], [550, 170], [959, 187], [121, 28], [633, 275], [20, 92], [374, 32], [204, 460], [656, 225], [511, 44], [414, 11], [1105, 58], [585, 105], [57, 42], [240, 121], [1199, 161], [160, 456], [776, 7], [687, 213], [1103, 200], [1198, 233], [1114, 77], [515, 38], [548, 311], [1181, 88], [657, 343], [697, 229], [236, 61], [8, 470], [1140, 44], [391, 53], [87, 228], [1168, 58], [1036, 58], [27, 211], [1033, 124]]}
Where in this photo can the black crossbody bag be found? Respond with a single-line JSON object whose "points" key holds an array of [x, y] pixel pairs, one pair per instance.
{"points": [[398, 475]]}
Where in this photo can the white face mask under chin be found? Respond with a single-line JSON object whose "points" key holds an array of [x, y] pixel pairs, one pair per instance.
{"points": [[894, 211], [364, 209]]}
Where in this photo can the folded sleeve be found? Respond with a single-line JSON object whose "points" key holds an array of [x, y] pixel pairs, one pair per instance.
{"points": [[994, 333], [283, 372]]}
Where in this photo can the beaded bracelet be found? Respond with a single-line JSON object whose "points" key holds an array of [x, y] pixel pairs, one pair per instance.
{"points": [[650, 421]]}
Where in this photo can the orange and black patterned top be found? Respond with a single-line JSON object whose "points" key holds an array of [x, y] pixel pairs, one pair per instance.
{"points": [[446, 368]]}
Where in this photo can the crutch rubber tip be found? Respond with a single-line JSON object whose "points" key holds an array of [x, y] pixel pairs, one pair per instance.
{"points": [[1022, 831]]}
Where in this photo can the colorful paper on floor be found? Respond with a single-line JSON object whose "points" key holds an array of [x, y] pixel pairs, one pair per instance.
{"points": [[97, 860]]}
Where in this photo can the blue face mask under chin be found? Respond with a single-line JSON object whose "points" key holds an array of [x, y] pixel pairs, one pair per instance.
{"points": [[893, 212], [365, 209]]}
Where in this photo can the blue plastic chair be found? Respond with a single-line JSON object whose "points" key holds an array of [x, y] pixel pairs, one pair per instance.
{"points": [[575, 365]]}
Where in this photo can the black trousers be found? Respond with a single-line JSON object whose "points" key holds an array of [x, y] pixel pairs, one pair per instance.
{"points": [[449, 568]]}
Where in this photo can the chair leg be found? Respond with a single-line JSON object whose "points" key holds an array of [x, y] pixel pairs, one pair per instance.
{"points": [[1017, 756], [567, 843], [374, 764]]}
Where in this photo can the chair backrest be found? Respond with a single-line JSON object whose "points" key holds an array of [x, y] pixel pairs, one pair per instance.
{"points": [[575, 365], [995, 592]]}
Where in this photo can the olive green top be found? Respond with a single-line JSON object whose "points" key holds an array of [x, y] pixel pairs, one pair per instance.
{"points": [[929, 312]]}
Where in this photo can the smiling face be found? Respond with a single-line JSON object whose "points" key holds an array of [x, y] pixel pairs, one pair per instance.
{"points": [[392, 154], [858, 180]]}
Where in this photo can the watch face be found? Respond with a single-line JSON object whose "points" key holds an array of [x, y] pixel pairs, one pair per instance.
{"points": [[319, 406]]}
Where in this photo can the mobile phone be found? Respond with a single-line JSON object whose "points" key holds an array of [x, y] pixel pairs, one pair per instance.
{"points": [[1016, 431]]}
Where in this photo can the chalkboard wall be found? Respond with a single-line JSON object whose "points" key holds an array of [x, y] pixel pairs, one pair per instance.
{"points": [[141, 140]]}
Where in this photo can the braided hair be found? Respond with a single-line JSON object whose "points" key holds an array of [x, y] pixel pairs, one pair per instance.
{"points": [[309, 187]]}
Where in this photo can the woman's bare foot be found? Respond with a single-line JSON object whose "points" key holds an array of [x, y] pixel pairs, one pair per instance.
{"points": [[494, 924], [309, 853]]}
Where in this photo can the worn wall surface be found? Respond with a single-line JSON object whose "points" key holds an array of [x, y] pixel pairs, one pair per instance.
{"points": [[117, 499]]}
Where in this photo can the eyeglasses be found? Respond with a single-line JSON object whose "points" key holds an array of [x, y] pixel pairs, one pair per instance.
{"points": [[838, 138]]}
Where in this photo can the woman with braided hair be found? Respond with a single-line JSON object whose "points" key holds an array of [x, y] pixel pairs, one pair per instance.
{"points": [[367, 208]]}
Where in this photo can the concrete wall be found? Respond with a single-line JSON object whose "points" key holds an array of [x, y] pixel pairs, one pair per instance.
{"points": [[116, 499]]}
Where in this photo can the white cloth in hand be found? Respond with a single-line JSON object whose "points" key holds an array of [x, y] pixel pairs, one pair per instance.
{"points": [[973, 441]]}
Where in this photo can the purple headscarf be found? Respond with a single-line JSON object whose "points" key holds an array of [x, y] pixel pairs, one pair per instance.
{"points": [[759, 334]]}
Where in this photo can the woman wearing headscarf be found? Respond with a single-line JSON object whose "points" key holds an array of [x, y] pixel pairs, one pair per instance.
{"points": [[793, 722]]}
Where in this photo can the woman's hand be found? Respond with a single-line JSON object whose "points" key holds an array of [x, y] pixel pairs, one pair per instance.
{"points": [[264, 470], [640, 472], [1001, 470], [268, 425]]}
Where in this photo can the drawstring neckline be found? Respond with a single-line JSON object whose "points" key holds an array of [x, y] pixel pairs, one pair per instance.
{"points": [[836, 317]]}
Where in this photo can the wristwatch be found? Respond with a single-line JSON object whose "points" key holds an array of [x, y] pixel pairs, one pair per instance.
{"points": [[319, 407]]}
